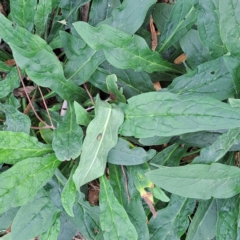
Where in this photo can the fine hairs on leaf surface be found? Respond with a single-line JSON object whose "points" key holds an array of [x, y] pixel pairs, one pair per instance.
{"points": [[119, 119]]}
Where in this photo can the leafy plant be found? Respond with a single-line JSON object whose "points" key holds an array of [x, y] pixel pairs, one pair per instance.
{"points": [[89, 147]]}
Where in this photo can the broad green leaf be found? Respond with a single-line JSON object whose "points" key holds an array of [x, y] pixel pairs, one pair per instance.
{"points": [[4, 67], [41, 17], [113, 88], [22, 13], [6, 218], [15, 121], [15, 147], [166, 114], [123, 50], [172, 221], [101, 9], [196, 52], [53, 232], [198, 180], [126, 154], [9, 83], [13, 101], [38, 60], [211, 79], [156, 140], [101, 137], [228, 219], [82, 60], [229, 25], [34, 218], [127, 17], [203, 225], [67, 138], [82, 116], [113, 218], [210, 34], [218, 149], [181, 19], [20, 183]]}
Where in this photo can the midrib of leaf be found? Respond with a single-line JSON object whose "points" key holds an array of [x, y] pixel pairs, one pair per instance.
{"points": [[169, 155], [173, 33], [100, 142]]}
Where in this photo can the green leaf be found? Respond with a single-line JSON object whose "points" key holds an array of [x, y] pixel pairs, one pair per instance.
{"points": [[172, 221], [15, 121], [156, 140], [6, 218], [34, 218], [228, 218], [123, 50], [22, 13], [20, 183], [166, 114], [82, 116], [113, 88], [113, 218], [9, 83], [181, 19], [209, 79], [15, 147], [38, 60], [101, 137], [67, 138], [4, 67], [11, 100], [126, 154], [198, 180], [210, 34], [129, 18], [203, 225], [53, 232], [46, 133], [83, 60], [159, 194], [218, 149]]}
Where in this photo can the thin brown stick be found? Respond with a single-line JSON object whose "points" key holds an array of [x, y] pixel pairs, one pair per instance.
{"points": [[27, 109], [126, 182], [153, 34], [89, 94], [45, 127]]}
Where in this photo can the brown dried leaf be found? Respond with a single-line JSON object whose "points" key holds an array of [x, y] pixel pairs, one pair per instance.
{"points": [[10, 62], [181, 58], [19, 92], [153, 33], [157, 86]]}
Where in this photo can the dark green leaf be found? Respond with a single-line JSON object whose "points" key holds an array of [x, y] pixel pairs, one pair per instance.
{"points": [[166, 114], [101, 137], [126, 154], [123, 50], [20, 183], [82, 116], [34, 218], [198, 180], [4, 67]]}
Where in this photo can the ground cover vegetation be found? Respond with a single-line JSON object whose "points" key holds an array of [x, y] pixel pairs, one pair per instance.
{"points": [[119, 119]]}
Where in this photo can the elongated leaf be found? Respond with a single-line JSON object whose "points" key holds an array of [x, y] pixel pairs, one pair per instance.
{"points": [[53, 232], [15, 120], [113, 218], [21, 182], [83, 60], [4, 67], [34, 218], [82, 116], [15, 147], [22, 12], [129, 18], [219, 148], [164, 114], [156, 140], [67, 140], [183, 16], [227, 223], [210, 34], [101, 136], [203, 225], [34, 56], [9, 83], [209, 79], [172, 221], [198, 180], [122, 50], [126, 154], [6, 218]]}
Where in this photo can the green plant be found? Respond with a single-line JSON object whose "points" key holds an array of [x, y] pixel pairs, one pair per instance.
{"points": [[99, 74]]}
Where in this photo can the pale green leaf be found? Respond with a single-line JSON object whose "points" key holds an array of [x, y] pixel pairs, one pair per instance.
{"points": [[82, 116], [34, 218], [101, 137], [235, 103], [167, 114], [198, 180], [113, 218], [6, 218], [126, 154], [53, 232], [22, 12], [67, 137], [123, 50], [20, 183], [15, 147], [156, 140]]}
